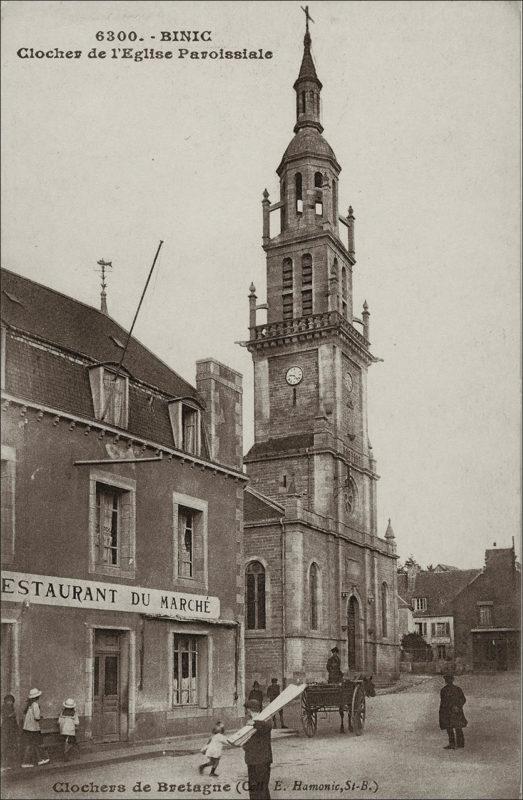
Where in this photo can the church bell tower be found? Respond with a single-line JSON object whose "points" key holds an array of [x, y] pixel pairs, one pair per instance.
{"points": [[311, 454]]}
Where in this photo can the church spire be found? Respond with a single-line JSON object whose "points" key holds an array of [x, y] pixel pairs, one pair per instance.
{"points": [[307, 86]]}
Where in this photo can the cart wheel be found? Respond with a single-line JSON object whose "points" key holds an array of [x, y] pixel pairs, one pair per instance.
{"points": [[358, 710], [309, 718]]}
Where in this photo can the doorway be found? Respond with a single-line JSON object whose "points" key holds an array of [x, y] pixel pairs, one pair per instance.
{"points": [[352, 631], [110, 677]]}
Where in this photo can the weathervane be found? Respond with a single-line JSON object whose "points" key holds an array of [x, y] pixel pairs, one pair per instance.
{"points": [[105, 266]]}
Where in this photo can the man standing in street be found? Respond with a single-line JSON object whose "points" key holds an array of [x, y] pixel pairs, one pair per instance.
{"points": [[451, 716], [258, 753], [272, 693], [334, 667]]}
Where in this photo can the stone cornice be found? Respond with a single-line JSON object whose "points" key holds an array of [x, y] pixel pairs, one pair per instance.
{"points": [[93, 424], [306, 237]]}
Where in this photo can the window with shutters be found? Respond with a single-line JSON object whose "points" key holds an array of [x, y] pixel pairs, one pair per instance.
{"points": [[288, 306], [442, 628], [287, 276], [306, 269], [255, 589], [306, 302], [190, 541], [421, 628], [7, 487], [110, 395], [185, 417], [112, 524]]}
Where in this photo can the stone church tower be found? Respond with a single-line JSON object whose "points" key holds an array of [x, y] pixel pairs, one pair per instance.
{"points": [[317, 573]]}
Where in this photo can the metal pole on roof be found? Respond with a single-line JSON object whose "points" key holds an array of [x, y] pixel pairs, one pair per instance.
{"points": [[118, 371]]}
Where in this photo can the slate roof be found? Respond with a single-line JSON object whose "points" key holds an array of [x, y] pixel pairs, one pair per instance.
{"points": [[307, 69], [258, 508], [283, 444], [440, 588], [79, 328]]}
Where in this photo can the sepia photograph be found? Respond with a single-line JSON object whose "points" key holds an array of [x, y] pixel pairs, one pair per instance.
{"points": [[261, 399]]}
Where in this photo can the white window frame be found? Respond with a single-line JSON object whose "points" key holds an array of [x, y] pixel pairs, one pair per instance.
{"points": [[96, 379], [205, 658], [199, 506], [421, 628], [8, 454], [128, 485], [419, 603], [176, 408]]}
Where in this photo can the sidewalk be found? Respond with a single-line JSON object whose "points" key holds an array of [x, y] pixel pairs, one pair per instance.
{"points": [[95, 756]]}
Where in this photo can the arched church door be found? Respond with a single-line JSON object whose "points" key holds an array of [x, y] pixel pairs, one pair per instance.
{"points": [[352, 622]]}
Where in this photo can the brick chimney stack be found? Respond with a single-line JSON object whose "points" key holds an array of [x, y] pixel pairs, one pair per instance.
{"points": [[221, 390]]}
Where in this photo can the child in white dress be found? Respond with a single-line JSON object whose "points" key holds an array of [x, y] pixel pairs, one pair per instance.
{"points": [[213, 749]]}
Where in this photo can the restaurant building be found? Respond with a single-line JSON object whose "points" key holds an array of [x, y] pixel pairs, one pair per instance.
{"points": [[122, 505]]}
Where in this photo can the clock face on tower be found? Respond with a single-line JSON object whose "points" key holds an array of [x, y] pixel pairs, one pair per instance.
{"points": [[294, 375]]}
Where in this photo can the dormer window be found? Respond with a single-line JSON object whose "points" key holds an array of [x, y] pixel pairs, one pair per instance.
{"points": [[110, 393], [186, 425], [419, 603]]}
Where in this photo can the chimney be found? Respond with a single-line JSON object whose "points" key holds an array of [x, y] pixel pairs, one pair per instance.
{"points": [[221, 390]]}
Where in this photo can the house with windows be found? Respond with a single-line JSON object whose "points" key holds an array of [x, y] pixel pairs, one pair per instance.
{"points": [[430, 595], [317, 572], [122, 505], [487, 614]]}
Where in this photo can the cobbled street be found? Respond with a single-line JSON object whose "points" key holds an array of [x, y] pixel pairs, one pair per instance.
{"points": [[400, 755]]}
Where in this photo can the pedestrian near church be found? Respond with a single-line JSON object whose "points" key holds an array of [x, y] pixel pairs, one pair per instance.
{"points": [[256, 693], [68, 722], [258, 753], [34, 750], [334, 667], [10, 733], [451, 716], [272, 693]]}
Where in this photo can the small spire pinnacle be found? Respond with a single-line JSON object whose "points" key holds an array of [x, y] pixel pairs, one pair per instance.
{"points": [[105, 266], [389, 534], [252, 288]]}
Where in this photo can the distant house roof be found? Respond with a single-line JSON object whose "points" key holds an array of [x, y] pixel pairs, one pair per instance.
{"points": [[82, 329], [283, 444], [259, 508], [440, 588], [444, 568]]}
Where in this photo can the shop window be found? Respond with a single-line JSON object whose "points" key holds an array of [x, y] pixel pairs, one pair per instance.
{"points": [[313, 596], [7, 486], [110, 395], [112, 524], [185, 670], [384, 609], [255, 586]]}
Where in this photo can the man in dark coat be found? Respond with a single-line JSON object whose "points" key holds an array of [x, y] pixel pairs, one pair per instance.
{"points": [[256, 693], [451, 716], [334, 667], [258, 753], [272, 693]]}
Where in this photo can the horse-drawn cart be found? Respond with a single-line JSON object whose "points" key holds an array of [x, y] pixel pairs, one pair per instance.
{"points": [[348, 696]]}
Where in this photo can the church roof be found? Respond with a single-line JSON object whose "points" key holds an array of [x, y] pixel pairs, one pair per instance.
{"points": [[82, 329], [308, 141], [258, 508], [283, 444]]}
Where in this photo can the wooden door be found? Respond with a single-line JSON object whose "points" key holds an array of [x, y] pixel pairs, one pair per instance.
{"points": [[106, 688]]}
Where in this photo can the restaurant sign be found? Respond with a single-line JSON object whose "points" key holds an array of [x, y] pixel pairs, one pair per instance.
{"points": [[20, 587]]}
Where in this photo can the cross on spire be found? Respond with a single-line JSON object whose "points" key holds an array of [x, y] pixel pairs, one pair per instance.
{"points": [[307, 18]]}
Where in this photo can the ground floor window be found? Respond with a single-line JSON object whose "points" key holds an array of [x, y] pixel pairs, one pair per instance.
{"points": [[442, 651], [185, 670]]}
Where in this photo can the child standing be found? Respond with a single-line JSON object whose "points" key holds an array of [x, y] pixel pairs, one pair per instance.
{"points": [[32, 734], [213, 749], [68, 722], [10, 733]]}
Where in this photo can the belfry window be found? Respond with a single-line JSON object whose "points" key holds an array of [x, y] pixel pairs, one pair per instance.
{"points": [[255, 586], [283, 192], [318, 180], [306, 269], [313, 596], [288, 306], [287, 276], [299, 192], [302, 102], [318, 202], [306, 303], [344, 292]]}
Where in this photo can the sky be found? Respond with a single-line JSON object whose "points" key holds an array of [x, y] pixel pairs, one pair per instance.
{"points": [[103, 158]]}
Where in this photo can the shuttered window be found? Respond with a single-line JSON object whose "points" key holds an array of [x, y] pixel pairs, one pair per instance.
{"points": [[112, 524], [255, 586]]}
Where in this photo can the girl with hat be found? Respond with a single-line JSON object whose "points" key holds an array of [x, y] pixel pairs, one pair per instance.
{"points": [[68, 722], [32, 735]]}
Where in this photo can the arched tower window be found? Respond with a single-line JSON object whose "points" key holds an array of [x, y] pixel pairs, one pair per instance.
{"points": [[255, 588], [318, 200], [283, 199], [318, 180], [302, 102], [344, 292], [299, 192], [313, 596], [384, 608], [306, 282]]}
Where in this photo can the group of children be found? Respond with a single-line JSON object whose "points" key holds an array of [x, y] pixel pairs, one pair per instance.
{"points": [[34, 753]]}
